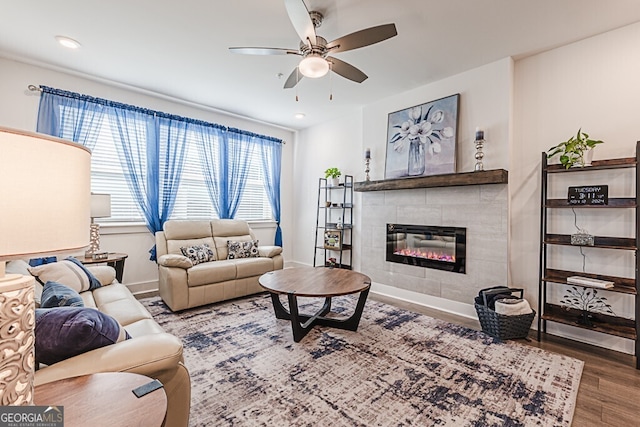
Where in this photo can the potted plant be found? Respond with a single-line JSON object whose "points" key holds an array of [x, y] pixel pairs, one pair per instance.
{"points": [[576, 151], [333, 174]]}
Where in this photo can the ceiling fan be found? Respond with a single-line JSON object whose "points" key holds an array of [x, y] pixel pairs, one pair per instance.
{"points": [[315, 50]]}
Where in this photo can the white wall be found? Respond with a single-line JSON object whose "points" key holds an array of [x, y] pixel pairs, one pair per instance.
{"points": [[19, 108], [484, 101], [591, 84]]}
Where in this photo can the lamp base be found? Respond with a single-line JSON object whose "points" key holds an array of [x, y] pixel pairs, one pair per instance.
{"points": [[17, 318]]}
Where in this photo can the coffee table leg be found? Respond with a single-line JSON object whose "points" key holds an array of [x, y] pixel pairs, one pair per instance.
{"points": [[278, 308], [350, 324], [301, 324]]}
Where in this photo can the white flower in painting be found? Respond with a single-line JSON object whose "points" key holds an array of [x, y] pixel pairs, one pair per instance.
{"points": [[447, 132], [422, 128]]}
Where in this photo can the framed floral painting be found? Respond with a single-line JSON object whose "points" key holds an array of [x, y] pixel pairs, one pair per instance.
{"points": [[422, 140]]}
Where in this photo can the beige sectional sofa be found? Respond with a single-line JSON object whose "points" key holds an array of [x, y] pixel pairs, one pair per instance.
{"points": [[151, 351], [183, 284]]}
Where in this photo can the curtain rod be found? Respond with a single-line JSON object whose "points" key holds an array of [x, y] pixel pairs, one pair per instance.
{"points": [[34, 88]]}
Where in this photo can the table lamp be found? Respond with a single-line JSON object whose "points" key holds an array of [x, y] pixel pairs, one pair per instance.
{"points": [[100, 208], [45, 188]]}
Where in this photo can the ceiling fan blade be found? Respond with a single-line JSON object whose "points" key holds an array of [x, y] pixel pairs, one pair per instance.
{"points": [[363, 38], [263, 51], [293, 79], [346, 70], [299, 16]]}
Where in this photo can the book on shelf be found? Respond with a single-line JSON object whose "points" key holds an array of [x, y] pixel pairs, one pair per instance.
{"points": [[589, 282]]}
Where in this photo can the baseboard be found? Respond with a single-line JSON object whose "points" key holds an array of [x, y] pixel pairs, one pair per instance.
{"points": [[143, 287], [437, 303]]}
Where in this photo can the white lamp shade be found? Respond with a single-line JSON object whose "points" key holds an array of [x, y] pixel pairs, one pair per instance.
{"points": [[100, 205], [313, 66], [45, 190]]}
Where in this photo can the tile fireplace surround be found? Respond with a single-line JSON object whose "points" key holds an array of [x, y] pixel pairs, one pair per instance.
{"points": [[481, 209]]}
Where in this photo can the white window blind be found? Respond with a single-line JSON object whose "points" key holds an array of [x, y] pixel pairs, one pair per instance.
{"points": [[192, 201]]}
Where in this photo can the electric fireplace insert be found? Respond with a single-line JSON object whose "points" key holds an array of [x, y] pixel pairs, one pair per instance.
{"points": [[442, 248]]}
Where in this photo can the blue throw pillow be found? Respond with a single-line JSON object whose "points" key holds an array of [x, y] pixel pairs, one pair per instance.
{"points": [[56, 294], [65, 332]]}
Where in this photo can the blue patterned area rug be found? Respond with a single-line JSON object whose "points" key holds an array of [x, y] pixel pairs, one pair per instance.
{"points": [[399, 369]]}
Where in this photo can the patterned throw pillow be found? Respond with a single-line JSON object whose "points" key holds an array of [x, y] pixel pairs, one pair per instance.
{"points": [[198, 254], [248, 249]]}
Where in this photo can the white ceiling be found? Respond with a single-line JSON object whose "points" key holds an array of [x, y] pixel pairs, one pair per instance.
{"points": [[180, 48]]}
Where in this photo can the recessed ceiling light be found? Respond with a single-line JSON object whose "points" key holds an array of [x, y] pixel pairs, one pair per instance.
{"points": [[68, 42], [300, 115]]}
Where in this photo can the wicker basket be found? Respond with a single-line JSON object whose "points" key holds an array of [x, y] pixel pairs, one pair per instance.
{"points": [[502, 326]]}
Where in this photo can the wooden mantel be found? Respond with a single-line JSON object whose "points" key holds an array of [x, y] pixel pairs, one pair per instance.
{"points": [[495, 176]]}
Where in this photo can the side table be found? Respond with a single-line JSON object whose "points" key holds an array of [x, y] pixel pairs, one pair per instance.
{"points": [[104, 399], [115, 260]]}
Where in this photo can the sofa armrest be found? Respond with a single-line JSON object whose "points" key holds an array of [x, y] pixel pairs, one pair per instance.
{"points": [[148, 355], [269, 251], [175, 260]]}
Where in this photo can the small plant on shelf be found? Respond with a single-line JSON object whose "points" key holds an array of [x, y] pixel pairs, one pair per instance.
{"points": [[572, 152], [332, 173], [587, 301]]}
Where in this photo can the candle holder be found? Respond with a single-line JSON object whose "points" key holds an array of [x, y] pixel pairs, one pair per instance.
{"points": [[479, 154], [366, 169]]}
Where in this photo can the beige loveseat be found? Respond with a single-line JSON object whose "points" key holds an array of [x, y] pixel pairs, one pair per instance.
{"points": [[150, 351], [184, 285]]}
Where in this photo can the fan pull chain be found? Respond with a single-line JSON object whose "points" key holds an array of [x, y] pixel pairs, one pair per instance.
{"points": [[330, 81], [297, 81]]}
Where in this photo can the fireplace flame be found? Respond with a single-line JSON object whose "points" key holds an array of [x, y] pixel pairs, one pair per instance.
{"points": [[418, 253]]}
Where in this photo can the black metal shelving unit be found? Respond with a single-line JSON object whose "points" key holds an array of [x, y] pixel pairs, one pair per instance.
{"points": [[334, 216], [603, 323]]}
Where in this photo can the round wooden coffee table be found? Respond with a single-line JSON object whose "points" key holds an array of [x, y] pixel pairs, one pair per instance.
{"points": [[313, 282]]}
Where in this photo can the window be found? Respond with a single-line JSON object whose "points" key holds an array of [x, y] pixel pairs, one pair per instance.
{"points": [[192, 202]]}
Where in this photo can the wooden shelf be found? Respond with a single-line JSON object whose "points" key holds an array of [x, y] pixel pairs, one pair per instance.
{"points": [[612, 325], [621, 284], [495, 176], [618, 202], [599, 242], [625, 162]]}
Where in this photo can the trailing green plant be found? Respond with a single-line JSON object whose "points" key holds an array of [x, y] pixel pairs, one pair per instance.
{"points": [[572, 151], [332, 173]]}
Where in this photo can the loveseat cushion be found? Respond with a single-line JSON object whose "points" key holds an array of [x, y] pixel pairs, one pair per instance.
{"points": [[211, 272], [55, 294], [65, 332], [175, 246], [250, 267]]}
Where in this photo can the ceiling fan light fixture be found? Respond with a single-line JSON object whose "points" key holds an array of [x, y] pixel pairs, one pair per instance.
{"points": [[313, 66]]}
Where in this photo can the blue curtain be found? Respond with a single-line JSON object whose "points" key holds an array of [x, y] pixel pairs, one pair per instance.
{"points": [[237, 149], [209, 140], [152, 151], [271, 154], [70, 116]]}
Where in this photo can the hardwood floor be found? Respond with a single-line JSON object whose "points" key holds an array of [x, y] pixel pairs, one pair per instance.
{"points": [[609, 393]]}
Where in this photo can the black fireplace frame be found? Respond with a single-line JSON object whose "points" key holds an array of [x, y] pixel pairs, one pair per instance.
{"points": [[460, 235]]}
